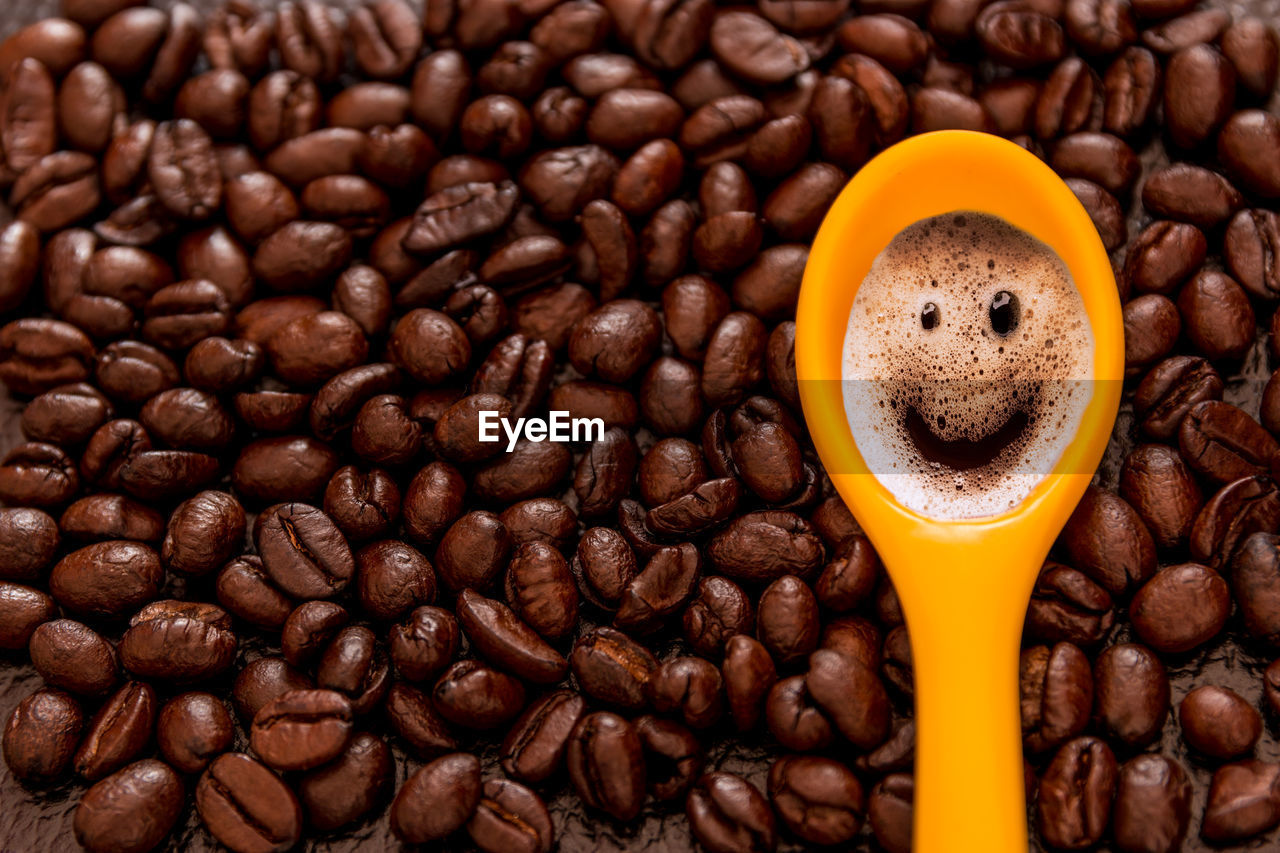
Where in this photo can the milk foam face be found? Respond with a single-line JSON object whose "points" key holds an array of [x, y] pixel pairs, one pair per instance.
{"points": [[967, 365]]}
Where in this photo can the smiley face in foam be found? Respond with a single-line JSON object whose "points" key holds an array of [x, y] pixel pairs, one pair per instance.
{"points": [[967, 361]]}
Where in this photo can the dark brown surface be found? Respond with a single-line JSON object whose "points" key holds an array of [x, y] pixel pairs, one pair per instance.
{"points": [[41, 819]]}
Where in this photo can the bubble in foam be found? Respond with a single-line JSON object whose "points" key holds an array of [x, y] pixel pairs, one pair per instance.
{"points": [[967, 361]]}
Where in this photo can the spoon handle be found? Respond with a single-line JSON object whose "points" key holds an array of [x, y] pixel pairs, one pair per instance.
{"points": [[969, 784]]}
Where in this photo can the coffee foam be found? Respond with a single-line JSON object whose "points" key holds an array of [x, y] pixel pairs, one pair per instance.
{"points": [[961, 378]]}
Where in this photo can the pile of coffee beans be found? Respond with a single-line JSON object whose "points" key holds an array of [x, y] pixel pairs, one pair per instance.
{"points": [[267, 268]]}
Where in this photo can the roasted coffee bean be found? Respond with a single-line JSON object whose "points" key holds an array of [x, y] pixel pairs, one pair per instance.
{"points": [[203, 533], [472, 695], [74, 657], [437, 800], [108, 578], [833, 676], [1240, 803], [765, 545], [1250, 251], [132, 810], [247, 807], [1164, 255], [819, 799], [749, 673], [416, 721], [719, 610], [1160, 611], [496, 633], [545, 520], [612, 668], [302, 729], [350, 786], [540, 589], [1237, 510], [284, 468], [1152, 806], [184, 171], [262, 680], [1067, 606], [787, 619], [794, 719], [1191, 194], [727, 813], [303, 551], [674, 758], [1223, 443], [1131, 693], [22, 610], [535, 746], [1216, 721], [1192, 120], [660, 589], [889, 812], [118, 732], [605, 760], [1074, 800], [1186, 30], [1056, 686], [690, 686], [355, 665], [193, 728], [393, 578], [243, 588], [1253, 578], [184, 641], [41, 734], [510, 817], [1159, 485], [1217, 315]]}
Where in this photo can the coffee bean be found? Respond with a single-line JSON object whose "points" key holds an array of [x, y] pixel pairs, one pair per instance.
{"points": [[185, 641], [132, 810], [1158, 484], [818, 799], [40, 735], [1240, 803], [302, 729], [794, 719], [889, 812], [1217, 315], [303, 551], [437, 800], [193, 728], [1240, 508], [1218, 722], [1191, 121], [1191, 194], [1159, 618], [1164, 255], [1056, 687], [74, 657], [535, 746], [416, 721], [749, 673], [350, 786], [1131, 693], [510, 818], [1067, 606], [1131, 89], [247, 807], [1152, 806], [355, 665], [727, 813], [1074, 800], [472, 695], [605, 760], [612, 668]]}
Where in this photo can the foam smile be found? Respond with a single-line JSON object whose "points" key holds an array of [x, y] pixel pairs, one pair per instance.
{"points": [[962, 453]]}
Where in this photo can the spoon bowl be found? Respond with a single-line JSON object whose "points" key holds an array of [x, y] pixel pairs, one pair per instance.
{"points": [[963, 584]]}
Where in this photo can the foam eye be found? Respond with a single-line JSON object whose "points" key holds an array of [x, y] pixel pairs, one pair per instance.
{"points": [[930, 316], [1003, 312]]}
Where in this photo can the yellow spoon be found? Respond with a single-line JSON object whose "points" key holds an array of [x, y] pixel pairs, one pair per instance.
{"points": [[963, 584]]}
